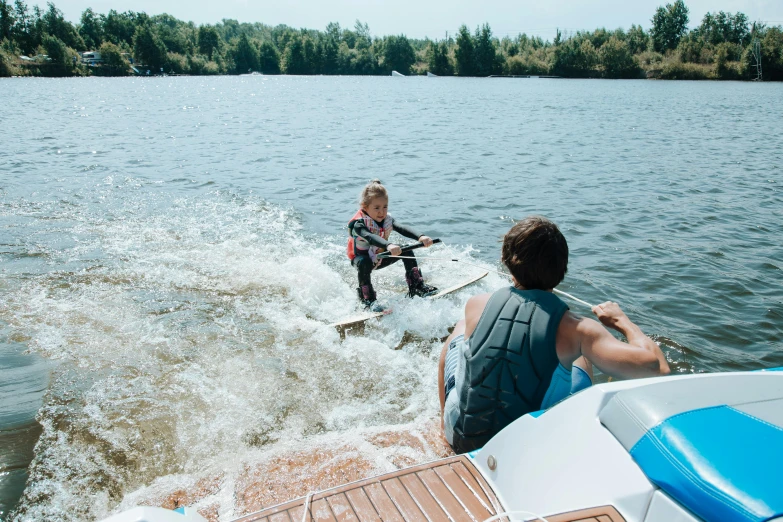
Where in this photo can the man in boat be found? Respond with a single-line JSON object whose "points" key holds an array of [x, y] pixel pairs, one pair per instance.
{"points": [[520, 349]]}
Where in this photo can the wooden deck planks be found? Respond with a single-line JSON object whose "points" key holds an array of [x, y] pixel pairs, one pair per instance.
{"points": [[362, 505], [383, 503], [423, 498], [462, 493], [486, 488], [470, 481], [296, 513], [341, 508], [433, 482], [399, 495], [596, 514], [320, 510], [448, 490]]}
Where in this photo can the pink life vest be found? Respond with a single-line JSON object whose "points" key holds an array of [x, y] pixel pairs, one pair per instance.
{"points": [[357, 245]]}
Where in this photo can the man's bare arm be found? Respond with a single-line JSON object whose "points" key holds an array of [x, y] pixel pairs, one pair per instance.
{"points": [[639, 357]]}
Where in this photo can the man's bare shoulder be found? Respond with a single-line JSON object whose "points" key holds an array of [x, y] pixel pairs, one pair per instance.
{"points": [[578, 325], [479, 300], [473, 310]]}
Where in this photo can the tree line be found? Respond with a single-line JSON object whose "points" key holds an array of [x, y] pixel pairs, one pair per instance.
{"points": [[723, 46]]}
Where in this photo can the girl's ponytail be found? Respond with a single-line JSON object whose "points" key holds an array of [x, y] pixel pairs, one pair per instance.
{"points": [[374, 189]]}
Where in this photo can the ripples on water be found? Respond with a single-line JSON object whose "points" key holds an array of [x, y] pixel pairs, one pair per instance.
{"points": [[171, 250]]}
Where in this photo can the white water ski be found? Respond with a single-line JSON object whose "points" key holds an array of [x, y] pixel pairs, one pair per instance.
{"points": [[359, 319]]}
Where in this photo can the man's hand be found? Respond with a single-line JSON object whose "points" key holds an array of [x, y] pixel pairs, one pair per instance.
{"points": [[394, 250], [426, 241], [610, 315], [639, 357]]}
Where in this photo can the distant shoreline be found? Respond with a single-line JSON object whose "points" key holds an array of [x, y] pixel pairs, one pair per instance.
{"points": [[725, 46]]}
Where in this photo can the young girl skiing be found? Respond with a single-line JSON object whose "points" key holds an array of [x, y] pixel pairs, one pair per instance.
{"points": [[370, 229]]}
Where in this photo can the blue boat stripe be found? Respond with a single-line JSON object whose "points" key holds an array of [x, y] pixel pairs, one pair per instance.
{"points": [[703, 460], [717, 449], [686, 472]]}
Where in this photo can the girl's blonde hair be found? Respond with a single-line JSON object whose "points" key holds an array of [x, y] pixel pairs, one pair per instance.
{"points": [[372, 190]]}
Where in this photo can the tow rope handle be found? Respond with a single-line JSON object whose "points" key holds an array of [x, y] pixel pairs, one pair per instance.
{"points": [[406, 248]]}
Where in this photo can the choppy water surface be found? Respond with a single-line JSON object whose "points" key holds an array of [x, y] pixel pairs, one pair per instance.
{"points": [[172, 249]]}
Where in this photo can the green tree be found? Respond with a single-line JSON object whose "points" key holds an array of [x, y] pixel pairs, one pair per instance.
{"points": [[112, 56], [724, 52], [346, 59], [36, 29], [464, 58], [56, 25], [690, 49], [616, 59], [398, 55], [173, 33], [438, 59], [574, 57], [91, 29], [268, 58], [294, 60], [245, 55], [6, 20], [601, 36], [485, 57], [349, 38], [57, 51], [208, 40], [148, 47], [120, 27], [20, 32], [366, 62], [177, 63], [637, 39], [363, 37], [362, 58], [772, 54], [724, 27], [509, 47], [670, 24], [313, 52], [330, 49], [7, 67]]}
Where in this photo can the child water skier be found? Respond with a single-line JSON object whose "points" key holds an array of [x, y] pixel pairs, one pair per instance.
{"points": [[370, 229]]}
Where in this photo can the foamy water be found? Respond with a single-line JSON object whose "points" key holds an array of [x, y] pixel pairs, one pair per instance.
{"points": [[195, 343]]}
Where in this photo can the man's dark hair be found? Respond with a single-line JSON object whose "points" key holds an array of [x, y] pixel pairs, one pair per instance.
{"points": [[536, 253]]}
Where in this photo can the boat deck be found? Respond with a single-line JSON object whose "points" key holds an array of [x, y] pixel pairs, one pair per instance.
{"points": [[445, 490]]}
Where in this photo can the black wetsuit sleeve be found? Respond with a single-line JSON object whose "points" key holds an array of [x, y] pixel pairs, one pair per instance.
{"points": [[405, 231], [375, 240]]}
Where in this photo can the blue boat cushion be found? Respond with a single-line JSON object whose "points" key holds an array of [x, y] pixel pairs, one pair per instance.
{"points": [[713, 442], [720, 463]]}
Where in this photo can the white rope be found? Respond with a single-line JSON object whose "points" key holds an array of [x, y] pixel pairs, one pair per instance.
{"points": [[306, 506], [507, 513], [491, 270]]}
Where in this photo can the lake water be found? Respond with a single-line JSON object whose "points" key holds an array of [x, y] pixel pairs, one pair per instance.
{"points": [[172, 250]]}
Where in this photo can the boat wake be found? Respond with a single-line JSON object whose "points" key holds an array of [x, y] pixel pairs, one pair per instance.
{"points": [[195, 364]]}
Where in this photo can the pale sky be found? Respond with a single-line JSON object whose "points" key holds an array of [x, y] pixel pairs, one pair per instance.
{"points": [[432, 18]]}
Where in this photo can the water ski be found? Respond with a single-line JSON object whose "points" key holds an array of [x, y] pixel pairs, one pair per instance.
{"points": [[357, 321]]}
